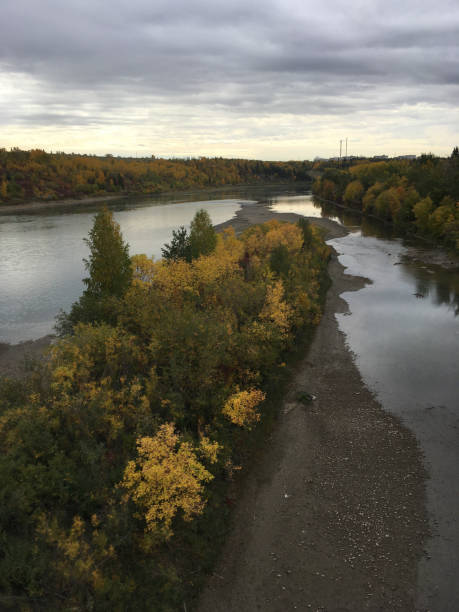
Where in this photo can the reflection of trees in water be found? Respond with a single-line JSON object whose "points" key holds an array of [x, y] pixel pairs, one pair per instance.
{"points": [[442, 286], [327, 210], [350, 218]]}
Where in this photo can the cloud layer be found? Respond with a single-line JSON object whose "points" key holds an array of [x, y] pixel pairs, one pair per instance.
{"points": [[231, 78]]}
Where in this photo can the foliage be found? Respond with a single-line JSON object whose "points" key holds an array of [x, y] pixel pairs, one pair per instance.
{"points": [[109, 265], [36, 175], [166, 476], [420, 195], [179, 247], [115, 455], [203, 238], [110, 274], [240, 407]]}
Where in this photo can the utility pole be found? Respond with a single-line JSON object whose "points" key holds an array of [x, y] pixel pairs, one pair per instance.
{"points": [[346, 149], [340, 150]]}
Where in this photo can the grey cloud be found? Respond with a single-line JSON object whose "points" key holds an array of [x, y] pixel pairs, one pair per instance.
{"points": [[278, 57]]}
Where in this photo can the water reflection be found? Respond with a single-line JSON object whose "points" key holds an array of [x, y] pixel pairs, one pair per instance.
{"points": [[301, 205], [439, 285]]}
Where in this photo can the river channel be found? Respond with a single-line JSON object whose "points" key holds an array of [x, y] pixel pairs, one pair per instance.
{"points": [[403, 327]]}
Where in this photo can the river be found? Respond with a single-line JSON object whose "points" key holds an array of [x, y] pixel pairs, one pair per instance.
{"points": [[403, 327]]}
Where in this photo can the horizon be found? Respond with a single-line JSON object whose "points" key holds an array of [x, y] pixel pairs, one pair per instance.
{"points": [[172, 157]]}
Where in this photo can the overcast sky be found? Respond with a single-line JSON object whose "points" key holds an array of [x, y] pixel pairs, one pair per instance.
{"points": [[271, 79]]}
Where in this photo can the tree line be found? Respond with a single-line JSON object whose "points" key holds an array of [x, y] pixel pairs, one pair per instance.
{"points": [[37, 175], [420, 195], [117, 452]]}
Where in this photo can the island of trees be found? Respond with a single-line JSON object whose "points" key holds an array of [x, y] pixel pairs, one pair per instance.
{"points": [[117, 452], [37, 175], [420, 196]]}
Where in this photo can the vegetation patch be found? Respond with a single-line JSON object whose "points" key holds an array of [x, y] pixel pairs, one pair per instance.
{"points": [[420, 196], [37, 175], [117, 453]]}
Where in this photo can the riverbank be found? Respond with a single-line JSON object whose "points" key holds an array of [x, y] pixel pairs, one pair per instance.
{"points": [[332, 516], [11, 209]]}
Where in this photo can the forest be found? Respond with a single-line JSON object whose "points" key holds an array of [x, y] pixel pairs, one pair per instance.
{"points": [[418, 196], [119, 451], [37, 175]]}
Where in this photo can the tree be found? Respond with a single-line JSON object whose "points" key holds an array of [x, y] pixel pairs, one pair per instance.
{"points": [[166, 477], [305, 227], [422, 212], [203, 238], [110, 274], [109, 264], [179, 247], [353, 194]]}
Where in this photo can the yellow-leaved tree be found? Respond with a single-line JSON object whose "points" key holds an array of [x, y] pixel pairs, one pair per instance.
{"points": [[240, 408], [167, 477]]}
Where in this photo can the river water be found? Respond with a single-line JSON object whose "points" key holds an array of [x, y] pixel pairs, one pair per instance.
{"points": [[403, 327]]}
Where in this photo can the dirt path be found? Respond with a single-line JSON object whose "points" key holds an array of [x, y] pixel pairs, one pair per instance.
{"points": [[332, 516]]}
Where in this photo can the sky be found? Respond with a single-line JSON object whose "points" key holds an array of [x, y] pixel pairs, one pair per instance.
{"points": [[271, 79]]}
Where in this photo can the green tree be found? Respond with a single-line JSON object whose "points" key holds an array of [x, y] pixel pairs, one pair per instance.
{"points": [[109, 264], [179, 247], [110, 274], [203, 238]]}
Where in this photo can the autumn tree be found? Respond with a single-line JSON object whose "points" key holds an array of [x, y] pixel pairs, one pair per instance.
{"points": [[353, 194]]}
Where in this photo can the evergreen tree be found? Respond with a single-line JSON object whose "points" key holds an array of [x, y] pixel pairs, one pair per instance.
{"points": [[179, 247], [203, 238], [110, 274], [109, 264]]}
